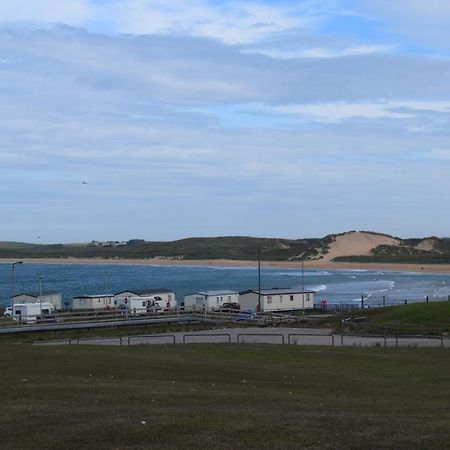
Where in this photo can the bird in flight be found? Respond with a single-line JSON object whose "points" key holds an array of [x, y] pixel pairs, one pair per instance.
{"points": [[84, 182]]}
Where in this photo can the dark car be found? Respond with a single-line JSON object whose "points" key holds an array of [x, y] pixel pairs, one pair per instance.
{"points": [[230, 307]]}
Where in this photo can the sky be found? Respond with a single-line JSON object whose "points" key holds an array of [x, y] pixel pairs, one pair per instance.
{"points": [[123, 119]]}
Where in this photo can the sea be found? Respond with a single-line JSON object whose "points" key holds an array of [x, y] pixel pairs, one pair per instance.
{"points": [[340, 287]]}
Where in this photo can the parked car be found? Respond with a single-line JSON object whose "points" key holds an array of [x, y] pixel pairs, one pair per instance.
{"points": [[246, 315], [232, 307]]}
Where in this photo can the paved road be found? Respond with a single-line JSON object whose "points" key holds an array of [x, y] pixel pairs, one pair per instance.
{"points": [[279, 335], [113, 323]]}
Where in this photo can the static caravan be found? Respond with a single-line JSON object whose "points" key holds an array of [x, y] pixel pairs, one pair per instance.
{"points": [[272, 300], [52, 297], [165, 297], [92, 302], [138, 305], [32, 312], [209, 300]]}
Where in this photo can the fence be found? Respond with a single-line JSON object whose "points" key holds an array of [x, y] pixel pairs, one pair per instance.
{"points": [[333, 340]]}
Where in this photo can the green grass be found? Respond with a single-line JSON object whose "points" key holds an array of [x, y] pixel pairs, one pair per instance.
{"points": [[415, 318], [223, 397]]}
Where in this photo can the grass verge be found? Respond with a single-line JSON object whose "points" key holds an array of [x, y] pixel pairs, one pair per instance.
{"points": [[223, 397]]}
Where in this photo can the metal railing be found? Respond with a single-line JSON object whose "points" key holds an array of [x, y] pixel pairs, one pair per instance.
{"points": [[151, 336], [259, 335], [206, 335], [311, 335], [320, 339]]}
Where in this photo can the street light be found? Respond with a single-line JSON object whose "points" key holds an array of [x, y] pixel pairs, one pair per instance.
{"points": [[303, 285], [106, 283], [259, 279], [40, 293], [13, 291]]}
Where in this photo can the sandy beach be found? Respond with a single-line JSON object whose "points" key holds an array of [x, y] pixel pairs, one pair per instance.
{"points": [[345, 244], [428, 268]]}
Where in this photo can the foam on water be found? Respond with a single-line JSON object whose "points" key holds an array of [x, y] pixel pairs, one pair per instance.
{"points": [[319, 288]]}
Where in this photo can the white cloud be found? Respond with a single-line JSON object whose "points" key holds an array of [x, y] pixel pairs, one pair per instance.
{"points": [[426, 22], [233, 23], [140, 118], [73, 12], [337, 112], [320, 52]]}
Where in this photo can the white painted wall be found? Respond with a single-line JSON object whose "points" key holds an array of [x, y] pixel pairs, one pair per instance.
{"points": [[100, 302], [277, 301], [210, 301], [54, 299]]}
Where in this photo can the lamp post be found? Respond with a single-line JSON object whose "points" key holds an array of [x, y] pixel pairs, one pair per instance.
{"points": [[259, 279], [40, 293], [106, 289], [13, 290], [106, 283], [303, 285]]}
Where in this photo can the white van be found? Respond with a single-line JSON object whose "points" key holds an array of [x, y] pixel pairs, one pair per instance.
{"points": [[32, 312]]}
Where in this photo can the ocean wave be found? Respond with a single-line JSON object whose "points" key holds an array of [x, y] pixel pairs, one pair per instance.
{"points": [[319, 288], [306, 273]]}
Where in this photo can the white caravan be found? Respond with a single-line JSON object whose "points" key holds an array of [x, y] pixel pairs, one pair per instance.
{"points": [[139, 305], [32, 312]]}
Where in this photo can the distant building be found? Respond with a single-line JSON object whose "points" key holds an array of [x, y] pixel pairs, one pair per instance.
{"points": [[53, 297], [276, 299], [107, 244], [209, 300], [101, 301], [163, 295]]}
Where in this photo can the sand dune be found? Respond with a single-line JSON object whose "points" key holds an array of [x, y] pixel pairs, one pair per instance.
{"points": [[356, 243]]}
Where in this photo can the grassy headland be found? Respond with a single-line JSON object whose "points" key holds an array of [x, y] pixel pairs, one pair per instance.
{"points": [[415, 318], [223, 396], [350, 247]]}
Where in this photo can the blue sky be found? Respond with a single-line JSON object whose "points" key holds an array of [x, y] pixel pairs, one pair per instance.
{"points": [[201, 118]]}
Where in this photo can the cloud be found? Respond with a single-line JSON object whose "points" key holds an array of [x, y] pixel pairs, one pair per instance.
{"points": [[73, 12], [424, 22], [142, 119], [232, 23]]}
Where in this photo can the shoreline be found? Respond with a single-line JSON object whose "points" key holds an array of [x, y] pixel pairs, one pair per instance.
{"points": [[418, 268]]}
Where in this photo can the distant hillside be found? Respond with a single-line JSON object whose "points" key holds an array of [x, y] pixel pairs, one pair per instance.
{"points": [[233, 247], [352, 246]]}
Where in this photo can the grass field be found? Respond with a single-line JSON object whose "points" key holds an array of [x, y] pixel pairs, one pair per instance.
{"points": [[223, 397], [415, 318]]}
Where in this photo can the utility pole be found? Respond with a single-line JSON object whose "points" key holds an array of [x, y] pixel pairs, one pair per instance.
{"points": [[106, 283], [259, 278], [13, 290], [40, 294], [303, 284]]}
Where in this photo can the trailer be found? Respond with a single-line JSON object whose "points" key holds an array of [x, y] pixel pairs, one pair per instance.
{"points": [[276, 299], [33, 312], [139, 305]]}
